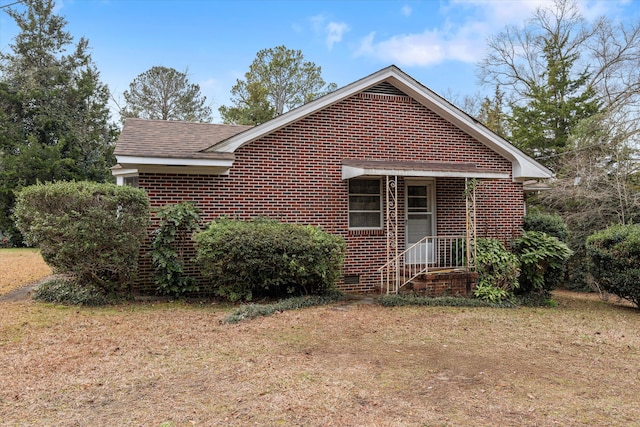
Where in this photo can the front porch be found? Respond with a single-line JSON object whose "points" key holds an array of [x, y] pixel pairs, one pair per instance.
{"points": [[428, 222], [434, 266]]}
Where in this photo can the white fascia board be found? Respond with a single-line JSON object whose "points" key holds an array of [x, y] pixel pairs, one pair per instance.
{"points": [[124, 172], [349, 172], [169, 161]]}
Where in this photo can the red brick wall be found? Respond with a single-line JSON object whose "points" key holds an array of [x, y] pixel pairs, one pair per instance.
{"points": [[294, 175]]}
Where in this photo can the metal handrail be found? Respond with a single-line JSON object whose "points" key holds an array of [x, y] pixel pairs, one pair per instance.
{"points": [[428, 254]]}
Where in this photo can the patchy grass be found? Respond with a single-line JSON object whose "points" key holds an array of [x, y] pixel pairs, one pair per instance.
{"points": [[178, 364], [19, 267]]}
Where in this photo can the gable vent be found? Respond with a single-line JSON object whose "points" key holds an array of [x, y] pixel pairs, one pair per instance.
{"points": [[385, 88]]}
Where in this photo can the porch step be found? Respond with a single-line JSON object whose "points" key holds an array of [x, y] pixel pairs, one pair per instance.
{"points": [[449, 282]]}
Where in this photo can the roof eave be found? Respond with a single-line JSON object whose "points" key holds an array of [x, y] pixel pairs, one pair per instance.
{"points": [[134, 161]]}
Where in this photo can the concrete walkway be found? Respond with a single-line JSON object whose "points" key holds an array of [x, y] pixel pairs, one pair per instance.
{"points": [[23, 293]]}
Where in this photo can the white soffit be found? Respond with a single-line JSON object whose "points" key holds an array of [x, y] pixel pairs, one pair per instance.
{"points": [[173, 165], [125, 161]]}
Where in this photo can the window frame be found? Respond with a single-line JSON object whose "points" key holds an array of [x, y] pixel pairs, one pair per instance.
{"points": [[380, 204]]}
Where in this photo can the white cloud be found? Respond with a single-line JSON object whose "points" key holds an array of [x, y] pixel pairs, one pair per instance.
{"points": [[463, 28], [594, 9], [334, 32], [406, 10], [428, 48], [317, 23], [462, 40], [407, 49], [500, 12]]}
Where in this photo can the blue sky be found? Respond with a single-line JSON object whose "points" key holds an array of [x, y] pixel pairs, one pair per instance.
{"points": [[436, 42]]}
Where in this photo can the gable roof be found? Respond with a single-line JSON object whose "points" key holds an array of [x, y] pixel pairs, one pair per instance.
{"points": [[524, 167], [158, 143]]}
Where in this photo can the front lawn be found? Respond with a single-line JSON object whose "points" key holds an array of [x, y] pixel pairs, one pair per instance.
{"points": [[176, 364], [19, 267]]}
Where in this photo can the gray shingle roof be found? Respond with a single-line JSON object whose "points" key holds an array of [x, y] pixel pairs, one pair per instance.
{"points": [[173, 139]]}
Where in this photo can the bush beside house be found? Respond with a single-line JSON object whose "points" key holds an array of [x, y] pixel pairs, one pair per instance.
{"points": [[526, 273], [553, 225], [264, 258], [541, 256], [498, 271], [89, 230], [615, 260]]}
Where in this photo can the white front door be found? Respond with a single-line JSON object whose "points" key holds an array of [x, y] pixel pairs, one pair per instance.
{"points": [[419, 220]]}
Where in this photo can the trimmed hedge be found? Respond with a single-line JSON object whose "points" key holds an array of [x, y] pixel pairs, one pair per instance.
{"points": [[615, 260], [422, 301], [93, 231], [264, 258]]}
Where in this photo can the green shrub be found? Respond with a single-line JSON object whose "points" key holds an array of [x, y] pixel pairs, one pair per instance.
{"points": [[539, 253], [178, 222], [247, 259], [69, 292], [615, 260], [251, 311], [491, 293], [496, 266], [93, 231], [552, 224]]}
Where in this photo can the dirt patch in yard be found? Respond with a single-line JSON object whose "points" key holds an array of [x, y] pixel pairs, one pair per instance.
{"points": [[19, 267], [147, 364]]}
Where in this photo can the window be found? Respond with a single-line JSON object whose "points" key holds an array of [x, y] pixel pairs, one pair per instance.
{"points": [[131, 181], [365, 203]]}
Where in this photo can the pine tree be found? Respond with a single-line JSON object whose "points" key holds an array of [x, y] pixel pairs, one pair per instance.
{"points": [[54, 107], [541, 126], [278, 80], [162, 93]]}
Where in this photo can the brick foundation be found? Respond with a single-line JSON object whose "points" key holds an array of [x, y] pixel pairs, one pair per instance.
{"points": [[459, 283]]}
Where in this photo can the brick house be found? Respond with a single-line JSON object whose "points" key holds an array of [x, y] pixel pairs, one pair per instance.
{"points": [[407, 179]]}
